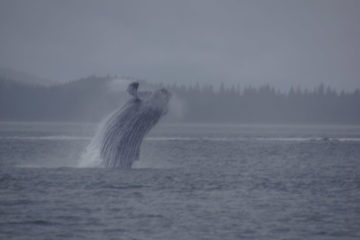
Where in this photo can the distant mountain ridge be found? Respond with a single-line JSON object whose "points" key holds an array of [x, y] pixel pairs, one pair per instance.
{"points": [[87, 99], [23, 77]]}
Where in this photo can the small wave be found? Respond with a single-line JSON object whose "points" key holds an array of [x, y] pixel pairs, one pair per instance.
{"points": [[306, 139], [47, 165], [232, 139], [15, 202], [31, 222], [311, 139], [216, 139], [348, 139], [290, 139], [171, 139], [36, 138]]}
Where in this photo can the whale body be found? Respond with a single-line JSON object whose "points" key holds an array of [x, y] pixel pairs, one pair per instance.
{"points": [[121, 135]]}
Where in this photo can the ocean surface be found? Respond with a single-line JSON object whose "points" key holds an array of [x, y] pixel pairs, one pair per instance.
{"points": [[194, 181]]}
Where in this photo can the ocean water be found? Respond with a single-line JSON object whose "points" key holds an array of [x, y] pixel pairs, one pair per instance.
{"points": [[194, 181]]}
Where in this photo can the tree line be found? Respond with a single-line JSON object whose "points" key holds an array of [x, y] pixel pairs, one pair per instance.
{"points": [[267, 105], [89, 99]]}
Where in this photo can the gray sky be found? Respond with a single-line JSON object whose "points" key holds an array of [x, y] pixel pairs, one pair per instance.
{"points": [[280, 42]]}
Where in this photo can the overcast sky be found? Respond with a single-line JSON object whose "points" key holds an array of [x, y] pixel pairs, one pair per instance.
{"points": [[280, 42]]}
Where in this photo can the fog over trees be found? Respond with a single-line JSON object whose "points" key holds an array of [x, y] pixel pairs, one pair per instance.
{"points": [[268, 105], [90, 99]]}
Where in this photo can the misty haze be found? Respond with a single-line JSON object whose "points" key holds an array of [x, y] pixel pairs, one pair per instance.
{"points": [[179, 119]]}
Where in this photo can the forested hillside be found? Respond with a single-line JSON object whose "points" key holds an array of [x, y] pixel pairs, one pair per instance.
{"points": [[90, 99], [267, 105]]}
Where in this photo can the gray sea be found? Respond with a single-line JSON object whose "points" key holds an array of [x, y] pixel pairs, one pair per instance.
{"points": [[194, 181]]}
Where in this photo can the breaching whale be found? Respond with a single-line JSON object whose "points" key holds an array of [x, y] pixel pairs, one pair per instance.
{"points": [[120, 137]]}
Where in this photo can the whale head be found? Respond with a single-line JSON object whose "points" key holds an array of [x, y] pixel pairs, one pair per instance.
{"points": [[159, 99]]}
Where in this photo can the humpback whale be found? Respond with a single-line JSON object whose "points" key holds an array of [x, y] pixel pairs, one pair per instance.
{"points": [[120, 137]]}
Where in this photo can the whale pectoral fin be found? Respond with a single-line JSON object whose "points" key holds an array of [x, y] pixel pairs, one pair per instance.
{"points": [[132, 89]]}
